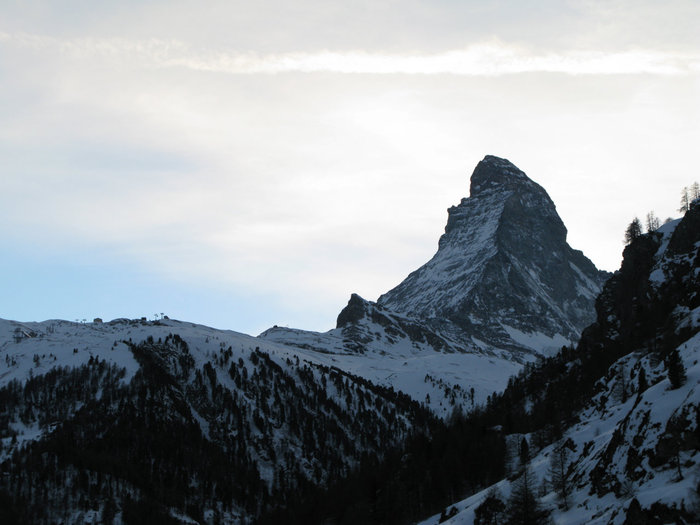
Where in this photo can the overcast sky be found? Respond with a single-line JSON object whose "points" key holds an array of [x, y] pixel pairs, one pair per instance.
{"points": [[244, 164]]}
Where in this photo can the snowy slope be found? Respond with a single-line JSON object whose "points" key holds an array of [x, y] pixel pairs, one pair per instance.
{"points": [[283, 417], [620, 442], [503, 289], [633, 450], [64, 343], [389, 349], [503, 272], [470, 240], [441, 380], [33, 349]]}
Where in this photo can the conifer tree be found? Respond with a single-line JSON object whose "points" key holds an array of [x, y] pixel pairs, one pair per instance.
{"points": [[685, 200], [524, 452], [633, 231], [491, 511], [523, 506], [675, 369], [559, 474], [675, 428], [642, 383], [621, 384], [694, 191], [653, 222], [688, 195]]}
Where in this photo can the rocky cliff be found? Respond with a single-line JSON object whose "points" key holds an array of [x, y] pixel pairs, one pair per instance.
{"points": [[503, 273]]}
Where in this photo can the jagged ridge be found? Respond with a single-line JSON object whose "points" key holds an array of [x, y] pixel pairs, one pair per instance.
{"points": [[503, 270]]}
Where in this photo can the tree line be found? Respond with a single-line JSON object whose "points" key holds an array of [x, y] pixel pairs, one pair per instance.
{"points": [[688, 195]]}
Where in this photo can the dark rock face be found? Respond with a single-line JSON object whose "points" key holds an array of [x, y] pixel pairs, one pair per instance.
{"points": [[647, 307], [640, 304], [353, 312], [360, 319], [504, 273], [495, 173]]}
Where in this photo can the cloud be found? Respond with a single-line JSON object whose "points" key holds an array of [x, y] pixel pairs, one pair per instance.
{"points": [[480, 59]]}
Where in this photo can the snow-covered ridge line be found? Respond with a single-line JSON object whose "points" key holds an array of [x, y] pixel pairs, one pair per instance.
{"points": [[632, 453], [279, 416]]}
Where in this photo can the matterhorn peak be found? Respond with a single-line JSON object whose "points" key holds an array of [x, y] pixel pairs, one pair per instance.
{"points": [[503, 272], [497, 173], [501, 193], [503, 282]]}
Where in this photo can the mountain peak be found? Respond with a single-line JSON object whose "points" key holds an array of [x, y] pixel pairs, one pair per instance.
{"points": [[503, 272], [353, 312], [495, 172]]}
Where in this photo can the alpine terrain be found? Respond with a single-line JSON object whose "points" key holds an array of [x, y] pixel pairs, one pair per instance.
{"points": [[503, 276], [505, 381], [612, 428], [503, 289], [606, 432]]}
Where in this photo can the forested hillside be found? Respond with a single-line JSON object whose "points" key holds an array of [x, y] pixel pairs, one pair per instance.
{"points": [[621, 411], [216, 436]]}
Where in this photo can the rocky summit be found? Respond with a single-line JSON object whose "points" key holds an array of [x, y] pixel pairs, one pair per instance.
{"points": [[503, 274], [503, 289]]}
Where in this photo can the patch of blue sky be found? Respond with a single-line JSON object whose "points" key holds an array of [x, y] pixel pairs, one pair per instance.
{"points": [[77, 287]]}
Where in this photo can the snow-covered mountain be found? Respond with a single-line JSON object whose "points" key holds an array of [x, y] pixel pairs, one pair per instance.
{"points": [[503, 273], [404, 354], [504, 288], [630, 453], [607, 432], [137, 421], [191, 422]]}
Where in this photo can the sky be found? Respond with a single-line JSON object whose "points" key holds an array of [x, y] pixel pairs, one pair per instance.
{"points": [[249, 164]]}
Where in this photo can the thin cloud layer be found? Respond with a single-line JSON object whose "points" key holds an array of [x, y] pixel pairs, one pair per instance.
{"points": [[483, 59]]}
